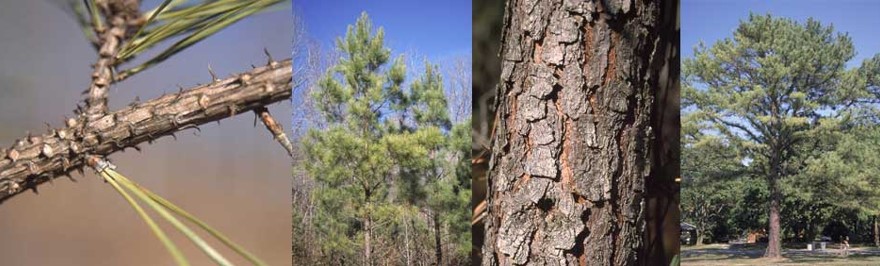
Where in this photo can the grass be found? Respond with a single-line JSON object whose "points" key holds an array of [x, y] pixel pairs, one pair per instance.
{"points": [[751, 254]]}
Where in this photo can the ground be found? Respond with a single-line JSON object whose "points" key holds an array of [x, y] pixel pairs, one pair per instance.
{"points": [[751, 254]]}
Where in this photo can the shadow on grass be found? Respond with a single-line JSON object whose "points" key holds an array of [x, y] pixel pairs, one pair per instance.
{"points": [[752, 254], [813, 258]]}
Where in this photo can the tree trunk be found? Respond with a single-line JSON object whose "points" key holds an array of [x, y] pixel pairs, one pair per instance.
{"points": [[368, 229], [774, 245], [876, 232], [438, 250], [573, 140], [407, 253]]}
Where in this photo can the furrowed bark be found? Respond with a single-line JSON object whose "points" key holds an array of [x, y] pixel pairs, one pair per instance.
{"points": [[120, 15], [573, 142], [37, 159], [774, 244]]}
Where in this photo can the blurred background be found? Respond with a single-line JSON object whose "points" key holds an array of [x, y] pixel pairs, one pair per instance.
{"points": [[487, 17], [233, 176]]}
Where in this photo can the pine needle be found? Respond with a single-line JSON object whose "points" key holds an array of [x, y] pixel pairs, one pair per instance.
{"points": [[162, 207], [202, 244], [179, 211], [175, 252], [152, 15], [203, 21], [96, 18]]}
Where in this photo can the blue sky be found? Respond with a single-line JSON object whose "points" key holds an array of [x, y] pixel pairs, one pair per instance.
{"points": [[436, 29], [710, 21], [439, 31]]}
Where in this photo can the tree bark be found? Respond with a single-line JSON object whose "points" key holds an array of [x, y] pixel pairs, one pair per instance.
{"points": [[774, 245], [876, 232], [36, 159], [573, 143], [367, 237], [438, 248], [120, 14]]}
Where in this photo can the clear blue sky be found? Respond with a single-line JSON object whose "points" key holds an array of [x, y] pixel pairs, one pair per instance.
{"points": [[435, 29], [439, 31], [710, 21]]}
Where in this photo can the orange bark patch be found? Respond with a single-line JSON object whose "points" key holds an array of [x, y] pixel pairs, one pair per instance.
{"points": [[522, 181], [588, 47], [592, 101], [612, 59], [566, 174], [511, 118], [539, 48]]}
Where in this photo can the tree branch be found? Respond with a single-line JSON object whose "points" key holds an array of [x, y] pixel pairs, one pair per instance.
{"points": [[119, 14], [37, 159], [276, 129]]}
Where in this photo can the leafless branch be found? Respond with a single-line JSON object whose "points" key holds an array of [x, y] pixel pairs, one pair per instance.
{"points": [[119, 14], [275, 128], [36, 159]]}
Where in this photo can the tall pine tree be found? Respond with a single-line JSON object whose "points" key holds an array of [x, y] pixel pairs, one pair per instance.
{"points": [[388, 165], [768, 91]]}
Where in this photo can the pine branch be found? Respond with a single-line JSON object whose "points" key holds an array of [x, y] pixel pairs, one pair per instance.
{"points": [[37, 159], [275, 128], [119, 14]]}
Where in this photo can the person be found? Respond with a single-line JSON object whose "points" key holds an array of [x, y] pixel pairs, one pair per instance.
{"points": [[845, 245]]}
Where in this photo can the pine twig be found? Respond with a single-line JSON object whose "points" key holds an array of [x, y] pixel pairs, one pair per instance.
{"points": [[275, 128], [34, 160], [119, 15]]}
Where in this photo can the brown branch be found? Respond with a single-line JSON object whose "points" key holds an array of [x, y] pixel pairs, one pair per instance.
{"points": [[37, 159], [119, 14], [275, 128]]}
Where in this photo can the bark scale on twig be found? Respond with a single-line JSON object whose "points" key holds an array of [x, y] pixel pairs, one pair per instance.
{"points": [[120, 15], [36, 159], [275, 128]]}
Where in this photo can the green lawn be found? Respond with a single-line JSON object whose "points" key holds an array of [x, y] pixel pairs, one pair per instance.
{"points": [[724, 254]]}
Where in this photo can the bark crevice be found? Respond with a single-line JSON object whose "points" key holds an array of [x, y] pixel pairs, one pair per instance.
{"points": [[566, 184]]}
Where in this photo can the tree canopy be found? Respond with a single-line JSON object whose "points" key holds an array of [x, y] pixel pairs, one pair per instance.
{"points": [[389, 164], [778, 92]]}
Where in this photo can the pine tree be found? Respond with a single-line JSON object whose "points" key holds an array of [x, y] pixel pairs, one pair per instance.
{"points": [[387, 167], [850, 173], [768, 90]]}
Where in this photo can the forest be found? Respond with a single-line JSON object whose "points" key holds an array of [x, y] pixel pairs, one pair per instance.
{"points": [[382, 172]]}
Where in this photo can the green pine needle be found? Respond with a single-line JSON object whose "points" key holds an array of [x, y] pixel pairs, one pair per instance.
{"points": [[203, 21], [179, 211], [152, 15], [162, 207], [175, 252], [159, 9], [96, 18], [195, 22], [225, 240], [202, 244]]}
